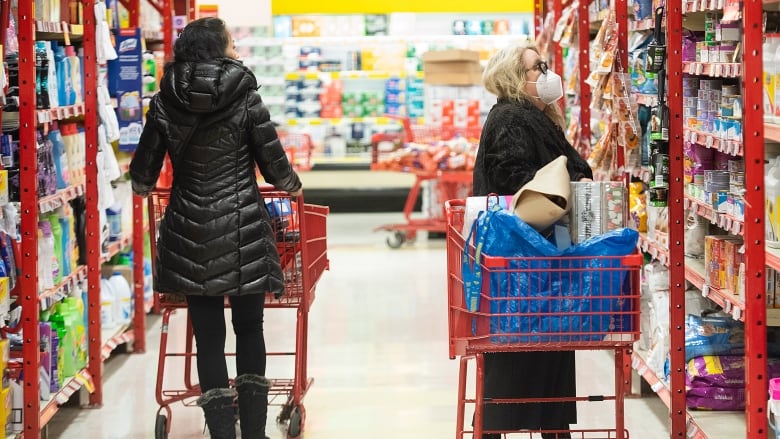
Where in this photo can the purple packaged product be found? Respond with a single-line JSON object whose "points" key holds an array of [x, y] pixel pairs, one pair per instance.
{"points": [[723, 371], [55, 369], [689, 47], [716, 398]]}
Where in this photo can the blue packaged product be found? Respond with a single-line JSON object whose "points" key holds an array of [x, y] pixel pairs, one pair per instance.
{"points": [[7, 253], [60, 157]]}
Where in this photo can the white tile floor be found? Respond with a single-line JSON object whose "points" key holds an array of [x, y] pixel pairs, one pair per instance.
{"points": [[377, 352]]}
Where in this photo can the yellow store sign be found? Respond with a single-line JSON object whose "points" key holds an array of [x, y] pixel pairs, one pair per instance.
{"points": [[289, 7]]}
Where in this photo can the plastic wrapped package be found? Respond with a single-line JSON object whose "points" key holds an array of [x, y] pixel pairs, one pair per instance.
{"points": [[695, 231], [722, 371], [716, 398], [713, 335]]}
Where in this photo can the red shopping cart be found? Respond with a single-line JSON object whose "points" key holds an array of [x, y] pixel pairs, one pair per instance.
{"points": [[539, 304], [302, 246], [450, 174], [298, 147]]}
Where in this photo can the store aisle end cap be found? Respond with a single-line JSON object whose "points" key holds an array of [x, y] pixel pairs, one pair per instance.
{"points": [[545, 199]]}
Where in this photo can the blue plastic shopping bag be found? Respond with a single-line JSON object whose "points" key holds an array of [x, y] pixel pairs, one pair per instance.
{"points": [[572, 307]]}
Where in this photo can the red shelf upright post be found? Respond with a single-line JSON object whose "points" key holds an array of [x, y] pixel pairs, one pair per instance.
{"points": [[755, 253], [28, 181], [557, 8], [139, 313], [585, 94], [676, 208], [538, 17], [167, 15], [93, 222]]}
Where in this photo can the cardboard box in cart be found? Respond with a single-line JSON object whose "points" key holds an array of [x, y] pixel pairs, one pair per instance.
{"points": [[452, 67]]}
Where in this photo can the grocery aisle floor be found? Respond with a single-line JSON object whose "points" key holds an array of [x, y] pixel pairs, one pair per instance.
{"points": [[377, 352]]}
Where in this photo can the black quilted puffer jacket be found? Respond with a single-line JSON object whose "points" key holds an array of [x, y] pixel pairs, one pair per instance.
{"points": [[215, 238]]}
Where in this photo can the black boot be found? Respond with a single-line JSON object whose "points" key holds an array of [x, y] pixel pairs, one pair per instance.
{"points": [[252, 405], [219, 410]]}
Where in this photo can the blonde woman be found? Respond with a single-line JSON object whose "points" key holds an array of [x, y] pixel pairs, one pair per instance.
{"points": [[522, 133]]}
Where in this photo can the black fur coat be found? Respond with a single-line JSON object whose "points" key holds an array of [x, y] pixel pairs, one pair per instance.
{"points": [[518, 139]]}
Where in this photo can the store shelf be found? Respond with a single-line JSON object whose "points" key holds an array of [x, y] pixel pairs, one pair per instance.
{"points": [[352, 74], [642, 25], [653, 248], [115, 247], [694, 273], [772, 131], [451, 40], [115, 337], [61, 113], [152, 36], [314, 121], [51, 202], [662, 390], [710, 140], [53, 295], [55, 30], [649, 100], [773, 258], [69, 387], [715, 70], [722, 220], [690, 6]]}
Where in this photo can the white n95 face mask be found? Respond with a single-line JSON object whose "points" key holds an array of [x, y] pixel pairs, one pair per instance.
{"points": [[549, 87]]}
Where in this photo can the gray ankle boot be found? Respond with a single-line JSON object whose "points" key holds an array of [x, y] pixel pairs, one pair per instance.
{"points": [[220, 413], [252, 405]]}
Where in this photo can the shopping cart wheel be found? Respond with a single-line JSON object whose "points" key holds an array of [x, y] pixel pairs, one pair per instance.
{"points": [[396, 240], [295, 427], [161, 427]]}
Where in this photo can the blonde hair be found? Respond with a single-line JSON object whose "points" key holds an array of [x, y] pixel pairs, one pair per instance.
{"points": [[505, 77]]}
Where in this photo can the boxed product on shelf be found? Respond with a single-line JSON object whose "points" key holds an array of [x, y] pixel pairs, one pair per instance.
{"points": [[454, 67], [126, 83], [722, 259]]}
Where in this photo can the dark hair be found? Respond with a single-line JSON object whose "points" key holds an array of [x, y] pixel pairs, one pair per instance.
{"points": [[202, 40]]}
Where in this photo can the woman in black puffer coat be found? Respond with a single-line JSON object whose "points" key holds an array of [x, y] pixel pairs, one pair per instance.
{"points": [[522, 133], [216, 239]]}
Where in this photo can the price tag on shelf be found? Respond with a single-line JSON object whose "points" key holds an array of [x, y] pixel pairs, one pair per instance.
{"points": [[736, 227], [657, 387], [66, 33], [727, 306], [664, 259], [725, 222], [644, 245], [736, 148], [736, 313], [705, 291], [710, 141], [714, 218]]}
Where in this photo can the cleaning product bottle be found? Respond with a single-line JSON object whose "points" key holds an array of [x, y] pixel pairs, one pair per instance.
{"points": [[65, 90], [122, 298], [75, 73], [106, 305], [56, 231], [772, 195], [148, 281], [114, 217], [41, 75], [67, 246], [46, 259], [51, 82], [60, 156]]}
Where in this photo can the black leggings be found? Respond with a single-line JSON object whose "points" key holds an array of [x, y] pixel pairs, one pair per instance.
{"points": [[208, 323]]}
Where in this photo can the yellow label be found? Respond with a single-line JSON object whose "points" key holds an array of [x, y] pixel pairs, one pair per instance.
{"points": [[279, 7]]}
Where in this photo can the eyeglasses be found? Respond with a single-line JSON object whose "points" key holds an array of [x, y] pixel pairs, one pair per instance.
{"points": [[540, 66]]}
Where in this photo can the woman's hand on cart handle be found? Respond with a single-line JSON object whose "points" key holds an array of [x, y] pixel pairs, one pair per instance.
{"points": [[297, 193], [586, 179]]}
